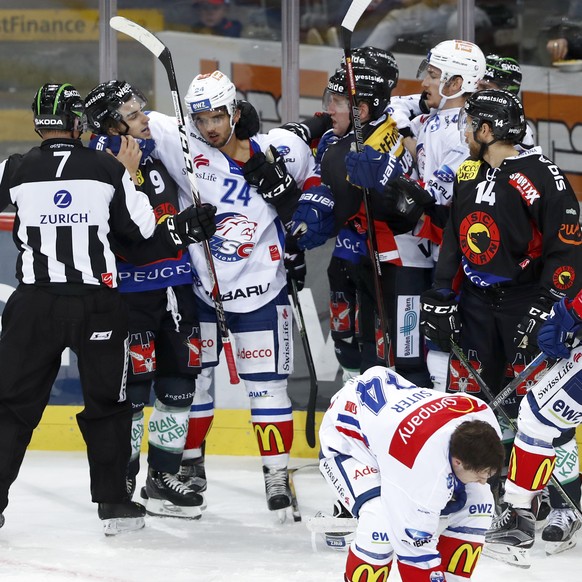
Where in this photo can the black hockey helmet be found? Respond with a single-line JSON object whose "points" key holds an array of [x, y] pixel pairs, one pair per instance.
{"points": [[501, 110], [103, 102], [380, 60], [58, 106], [504, 72], [370, 87]]}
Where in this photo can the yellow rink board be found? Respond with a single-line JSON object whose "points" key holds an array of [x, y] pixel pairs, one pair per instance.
{"points": [[232, 433]]}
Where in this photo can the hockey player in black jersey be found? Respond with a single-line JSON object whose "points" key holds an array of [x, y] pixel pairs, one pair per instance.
{"points": [[513, 238], [68, 201], [164, 346]]}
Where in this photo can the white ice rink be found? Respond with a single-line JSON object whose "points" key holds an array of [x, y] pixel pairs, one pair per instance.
{"points": [[52, 533]]}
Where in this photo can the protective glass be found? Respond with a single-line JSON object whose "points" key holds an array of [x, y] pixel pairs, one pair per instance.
{"points": [[131, 109], [338, 103]]}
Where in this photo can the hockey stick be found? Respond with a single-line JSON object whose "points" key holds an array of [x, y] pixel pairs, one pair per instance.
{"points": [[153, 44], [353, 15], [487, 392], [294, 503], [313, 387]]}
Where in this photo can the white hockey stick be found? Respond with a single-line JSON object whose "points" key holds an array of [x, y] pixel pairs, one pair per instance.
{"points": [[153, 44]]}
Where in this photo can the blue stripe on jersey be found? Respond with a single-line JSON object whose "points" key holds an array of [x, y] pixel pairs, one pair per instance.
{"points": [[418, 559], [200, 407], [344, 418], [271, 411]]}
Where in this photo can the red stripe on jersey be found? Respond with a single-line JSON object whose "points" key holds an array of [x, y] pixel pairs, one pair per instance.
{"points": [[351, 433], [414, 431]]}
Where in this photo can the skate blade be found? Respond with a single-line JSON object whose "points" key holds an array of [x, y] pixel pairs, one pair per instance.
{"points": [[519, 557], [163, 508], [553, 548], [118, 525]]}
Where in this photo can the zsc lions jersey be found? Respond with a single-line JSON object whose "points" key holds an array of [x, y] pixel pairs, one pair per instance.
{"points": [[248, 246]]}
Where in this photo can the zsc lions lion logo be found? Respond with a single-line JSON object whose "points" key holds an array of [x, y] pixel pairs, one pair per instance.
{"points": [[233, 238]]}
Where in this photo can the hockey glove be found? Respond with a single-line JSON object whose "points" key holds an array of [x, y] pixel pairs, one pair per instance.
{"points": [[193, 225], [268, 173], [526, 337], [311, 128], [401, 204], [294, 263], [439, 317], [249, 122], [371, 168], [313, 221], [556, 333]]}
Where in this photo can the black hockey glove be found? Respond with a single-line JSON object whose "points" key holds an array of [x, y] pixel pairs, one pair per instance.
{"points": [[268, 173], [193, 225], [401, 204], [294, 263], [311, 128], [439, 317], [249, 122], [296, 269], [526, 337]]}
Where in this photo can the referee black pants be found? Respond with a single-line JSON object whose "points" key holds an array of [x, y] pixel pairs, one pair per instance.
{"points": [[37, 325]]}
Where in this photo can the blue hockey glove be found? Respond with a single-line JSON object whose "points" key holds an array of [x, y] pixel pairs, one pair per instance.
{"points": [[555, 334], [371, 168], [313, 221]]}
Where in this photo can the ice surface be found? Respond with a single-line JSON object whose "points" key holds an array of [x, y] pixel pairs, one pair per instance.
{"points": [[52, 533]]}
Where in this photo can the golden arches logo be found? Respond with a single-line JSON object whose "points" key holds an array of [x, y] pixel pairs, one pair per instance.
{"points": [[543, 474], [465, 556], [367, 573], [264, 434]]}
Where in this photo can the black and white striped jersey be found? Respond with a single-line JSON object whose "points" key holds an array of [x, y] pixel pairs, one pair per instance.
{"points": [[69, 200]]}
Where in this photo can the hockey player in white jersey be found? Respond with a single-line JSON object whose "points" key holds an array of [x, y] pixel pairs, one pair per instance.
{"points": [[239, 176], [552, 407], [412, 464], [449, 74]]}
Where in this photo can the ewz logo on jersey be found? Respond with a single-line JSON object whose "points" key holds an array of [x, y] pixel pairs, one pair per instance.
{"points": [[233, 238]]}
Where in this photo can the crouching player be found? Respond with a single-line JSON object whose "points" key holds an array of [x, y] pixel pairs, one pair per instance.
{"points": [[412, 465]]}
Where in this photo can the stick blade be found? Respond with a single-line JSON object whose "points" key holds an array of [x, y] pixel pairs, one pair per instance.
{"points": [[139, 33], [354, 13]]}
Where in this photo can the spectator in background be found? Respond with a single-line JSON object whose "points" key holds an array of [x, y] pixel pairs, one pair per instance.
{"points": [[437, 19], [213, 19], [567, 43]]}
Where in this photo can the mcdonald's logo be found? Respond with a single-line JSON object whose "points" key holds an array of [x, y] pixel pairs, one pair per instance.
{"points": [[464, 559], [367, 573], [543, 474], [266, 443]]}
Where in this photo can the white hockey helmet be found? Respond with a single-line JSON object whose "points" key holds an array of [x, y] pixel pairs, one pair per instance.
{"points": [[456, 58], [211, 91]]}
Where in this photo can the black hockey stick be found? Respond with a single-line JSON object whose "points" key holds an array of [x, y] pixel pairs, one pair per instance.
{"points": [[487, 392], [353, 15], [313, 387], [153, 44]]}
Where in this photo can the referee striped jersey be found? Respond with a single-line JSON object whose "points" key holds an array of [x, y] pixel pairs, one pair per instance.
{"points": [[69, 200]]}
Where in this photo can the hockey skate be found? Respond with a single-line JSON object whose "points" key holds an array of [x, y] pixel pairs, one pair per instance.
{"points": [[130, 483], [193, 474], [560, 531], [165, 495], [1, 519], [121, 517], [277, 490], [511, 536], [336, 531]]}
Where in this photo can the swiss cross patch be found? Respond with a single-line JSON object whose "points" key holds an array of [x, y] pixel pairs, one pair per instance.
{"points": [[523, 185]]}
